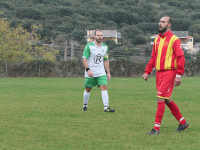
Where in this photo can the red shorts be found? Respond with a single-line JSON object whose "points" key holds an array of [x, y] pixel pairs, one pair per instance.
{"points": [[165, 83]]}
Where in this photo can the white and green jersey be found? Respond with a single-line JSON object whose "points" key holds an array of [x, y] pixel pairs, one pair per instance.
{"points": [[95, 56]]}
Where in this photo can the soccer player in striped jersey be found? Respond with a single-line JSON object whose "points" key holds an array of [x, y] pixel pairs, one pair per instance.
{"points": [[168, 59], [95, 61]]}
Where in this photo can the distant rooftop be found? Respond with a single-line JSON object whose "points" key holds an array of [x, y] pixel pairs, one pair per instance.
{"points": [[181, 34], [106, 33]]}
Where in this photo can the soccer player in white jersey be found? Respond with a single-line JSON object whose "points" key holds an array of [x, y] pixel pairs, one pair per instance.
{"points": [[95, 61]]}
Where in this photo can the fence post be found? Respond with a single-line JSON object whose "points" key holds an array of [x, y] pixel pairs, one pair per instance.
{"points": [[72, 48], [1, 69], [66, 70], [39, 70], [6, 68], [126, 66]]}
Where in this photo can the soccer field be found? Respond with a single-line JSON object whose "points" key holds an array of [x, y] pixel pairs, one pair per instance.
{"points": [[46, 113]]}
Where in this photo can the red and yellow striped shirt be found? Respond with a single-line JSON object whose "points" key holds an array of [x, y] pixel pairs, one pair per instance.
{"points": [[167, 48]]}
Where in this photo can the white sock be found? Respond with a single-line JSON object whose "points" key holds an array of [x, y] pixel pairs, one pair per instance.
{"points": [[105, 98], [181, 119], [86, 96]]}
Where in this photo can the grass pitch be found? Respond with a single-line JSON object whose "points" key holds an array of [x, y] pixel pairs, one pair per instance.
{"points": [[38, 113]]}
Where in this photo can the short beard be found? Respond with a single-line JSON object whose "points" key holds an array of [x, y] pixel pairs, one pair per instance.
{"points": [[97, 40], [163, 30]]}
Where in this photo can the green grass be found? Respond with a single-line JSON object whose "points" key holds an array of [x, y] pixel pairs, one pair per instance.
{"points": [[37, 113]]}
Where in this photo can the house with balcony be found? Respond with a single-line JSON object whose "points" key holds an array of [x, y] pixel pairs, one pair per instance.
{"points": [[186, 40], [107, 34]]}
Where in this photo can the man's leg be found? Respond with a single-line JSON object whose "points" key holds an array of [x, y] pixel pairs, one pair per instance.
{"points": [[102, 81], [86, 97], [104, 95], [89, 83], [161, 90], [183, 124], [159, 113], [105, 98], [158, 117], [175, 111]]}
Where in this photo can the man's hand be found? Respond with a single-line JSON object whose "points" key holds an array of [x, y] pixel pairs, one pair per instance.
{"points": [[108, 76], [90, 73], [145, 77], [177, 81]]}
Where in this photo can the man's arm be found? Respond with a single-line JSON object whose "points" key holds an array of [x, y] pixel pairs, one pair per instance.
{"points": [[150, 65], [85, 64], [86, 54], [106, 64], [149, 68], [180, 59], [180, 69]]}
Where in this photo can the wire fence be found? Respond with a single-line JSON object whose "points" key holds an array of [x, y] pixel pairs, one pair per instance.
{"points": [[124, 62]]}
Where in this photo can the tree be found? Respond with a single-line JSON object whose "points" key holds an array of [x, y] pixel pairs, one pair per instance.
{"points": [[28, 13], [122, 16], [111, 44], [19, 45], [174, 3], [5, 5], [78, 35], [139, 39], [148, 27], [111, 25], [180, 24], [65, 11], [194, 31], [131, 31], [196, 16], [110, 2], [44, 32], [108, 14]]}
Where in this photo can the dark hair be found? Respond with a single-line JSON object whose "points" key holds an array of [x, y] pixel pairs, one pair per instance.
{"points": [[170, 20], [96, 31]]}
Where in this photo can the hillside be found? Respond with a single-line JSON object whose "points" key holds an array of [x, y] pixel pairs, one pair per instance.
{"points": [[135, 19]]}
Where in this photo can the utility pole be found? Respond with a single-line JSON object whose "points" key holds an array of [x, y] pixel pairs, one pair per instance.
{"points": [[65, 53], [72, 48]]}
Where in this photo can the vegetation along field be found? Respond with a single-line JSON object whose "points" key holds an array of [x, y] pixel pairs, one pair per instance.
{"points": [[46, 113]]}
